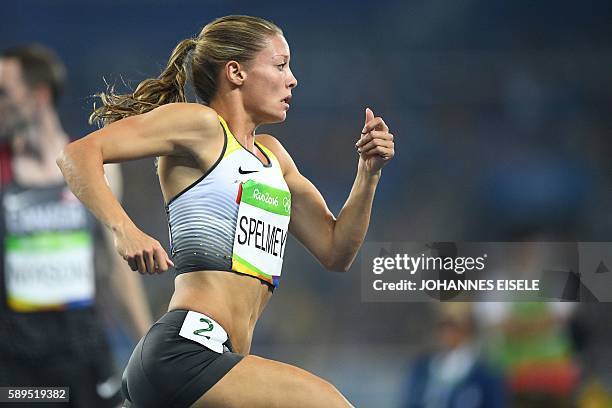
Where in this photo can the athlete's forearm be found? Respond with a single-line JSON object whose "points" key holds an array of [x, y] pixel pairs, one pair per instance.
{"points": [[352, 223], [82, 167]]}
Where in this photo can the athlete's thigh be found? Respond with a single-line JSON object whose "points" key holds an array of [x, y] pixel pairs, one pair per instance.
{"points": [[258, 382]]}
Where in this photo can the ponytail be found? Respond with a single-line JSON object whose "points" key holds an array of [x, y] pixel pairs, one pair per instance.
{"points": [[168, 87], [228, 38]]}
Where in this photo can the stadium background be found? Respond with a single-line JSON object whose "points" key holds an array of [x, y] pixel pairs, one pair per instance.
{"points": [[501, 112]]}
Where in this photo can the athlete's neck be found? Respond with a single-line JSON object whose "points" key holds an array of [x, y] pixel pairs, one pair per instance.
{"points": [[35, 149], [239, 122]]}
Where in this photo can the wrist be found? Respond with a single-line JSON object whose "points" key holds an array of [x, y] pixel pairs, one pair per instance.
{"points": [[120, 228], [368, 177]]}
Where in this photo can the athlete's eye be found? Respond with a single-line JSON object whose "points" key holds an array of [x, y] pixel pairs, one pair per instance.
{"points": [[281, 66]]}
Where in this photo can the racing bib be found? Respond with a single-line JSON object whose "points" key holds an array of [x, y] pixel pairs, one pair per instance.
{"points": [[49, 271], [46, 249], [261, 230], [204, 330]]}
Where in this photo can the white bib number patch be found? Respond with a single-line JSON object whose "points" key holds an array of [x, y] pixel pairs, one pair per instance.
{"points": [[204, 330]]}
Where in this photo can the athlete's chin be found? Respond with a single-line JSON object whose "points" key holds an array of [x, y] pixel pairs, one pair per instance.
{"points": [[282, 116], [275, 117]]}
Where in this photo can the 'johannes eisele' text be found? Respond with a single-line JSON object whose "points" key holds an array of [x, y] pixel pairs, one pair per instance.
{"points": [[464, 285]]}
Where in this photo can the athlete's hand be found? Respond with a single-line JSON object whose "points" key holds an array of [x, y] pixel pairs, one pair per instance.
{"points": [[375, 147], [143, 253]]}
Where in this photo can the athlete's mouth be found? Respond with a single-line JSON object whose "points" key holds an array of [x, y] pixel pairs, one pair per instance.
{"points": [[287, 99]]}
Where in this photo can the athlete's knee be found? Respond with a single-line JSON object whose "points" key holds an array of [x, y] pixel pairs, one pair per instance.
{"points": [[331, 390], [328, 392], [325, 386], [314, 385]]}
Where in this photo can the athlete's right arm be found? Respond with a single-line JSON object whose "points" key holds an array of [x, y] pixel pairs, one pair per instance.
{"points": [[170, 130]]}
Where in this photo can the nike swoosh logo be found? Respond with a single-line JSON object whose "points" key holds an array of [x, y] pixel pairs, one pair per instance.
{"points": [[246, 171]]}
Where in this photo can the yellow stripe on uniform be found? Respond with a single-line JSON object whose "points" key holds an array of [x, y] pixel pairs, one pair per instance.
{"points": [[232, 143]]}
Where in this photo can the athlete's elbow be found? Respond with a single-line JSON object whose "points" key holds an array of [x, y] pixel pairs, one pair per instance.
{"points": [[75, 152], [340, 268], [337, 264], [63, 158], [66, 158]]}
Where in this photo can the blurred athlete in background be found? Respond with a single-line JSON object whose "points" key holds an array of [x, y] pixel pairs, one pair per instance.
{"points": [[50, 331]]}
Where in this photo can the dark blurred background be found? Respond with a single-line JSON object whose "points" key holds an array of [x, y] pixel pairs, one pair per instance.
{"points": [[503, 129]]}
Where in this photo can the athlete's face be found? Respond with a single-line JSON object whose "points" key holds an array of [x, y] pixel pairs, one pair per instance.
{"points": [[17, 105], [453, 333], [269, 82]]}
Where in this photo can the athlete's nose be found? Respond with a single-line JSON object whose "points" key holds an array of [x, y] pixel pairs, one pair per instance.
{"points": [[293, 80]]}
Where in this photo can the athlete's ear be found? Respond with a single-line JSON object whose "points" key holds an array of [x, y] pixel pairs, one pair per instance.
{"points": [[235, 72]]}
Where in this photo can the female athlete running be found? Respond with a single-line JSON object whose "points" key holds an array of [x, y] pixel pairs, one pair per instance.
{"points": [[231, 197]]}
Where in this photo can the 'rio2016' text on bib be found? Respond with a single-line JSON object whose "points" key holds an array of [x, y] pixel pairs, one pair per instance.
{"points": [[261, 230]]}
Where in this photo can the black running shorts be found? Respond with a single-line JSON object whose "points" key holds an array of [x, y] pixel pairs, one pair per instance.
{"points": [[167, 370]]}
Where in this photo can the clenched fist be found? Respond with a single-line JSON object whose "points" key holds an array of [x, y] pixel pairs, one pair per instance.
{"points": [[143, 253], [375, 147]]}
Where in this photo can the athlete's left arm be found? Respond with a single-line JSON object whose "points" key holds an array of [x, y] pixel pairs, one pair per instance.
{"points": [[127, 286], [335, 241]]}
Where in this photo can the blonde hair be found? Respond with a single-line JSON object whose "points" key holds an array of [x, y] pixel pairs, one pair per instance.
{"points": [[235, 37]]}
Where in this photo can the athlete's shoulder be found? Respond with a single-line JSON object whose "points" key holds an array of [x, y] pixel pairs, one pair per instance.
{"points": [[269, 141], [189, 116], [187, 127], [275, 146]]}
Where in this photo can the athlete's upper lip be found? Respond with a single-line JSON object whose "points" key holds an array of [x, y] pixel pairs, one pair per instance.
{"points": [[287, 99]]}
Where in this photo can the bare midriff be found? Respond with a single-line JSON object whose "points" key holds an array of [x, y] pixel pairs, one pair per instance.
{"points": [[234, 300]]}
